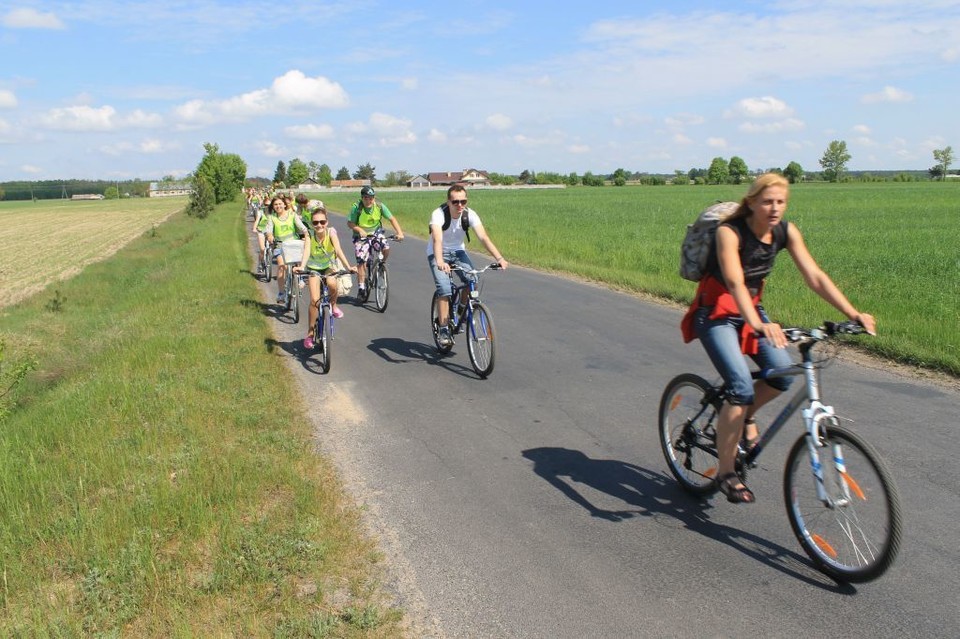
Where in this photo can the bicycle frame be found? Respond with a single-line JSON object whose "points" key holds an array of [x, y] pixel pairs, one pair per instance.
{"points": [[813, 416]]}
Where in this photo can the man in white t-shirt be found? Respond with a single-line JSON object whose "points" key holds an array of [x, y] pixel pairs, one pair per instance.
{"points": [[448, 243]]}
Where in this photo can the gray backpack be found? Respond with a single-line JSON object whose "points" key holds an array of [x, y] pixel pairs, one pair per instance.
{"points": [[698, 242]]}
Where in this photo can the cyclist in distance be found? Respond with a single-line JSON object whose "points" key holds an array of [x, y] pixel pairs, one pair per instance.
{"points": [[260, 226], [322, 251], [282, 225], [365, 218], [303, 209], [447, 233], [727, 317]]}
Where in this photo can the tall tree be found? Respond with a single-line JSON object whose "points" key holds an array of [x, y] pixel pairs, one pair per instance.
{"points": [[280, 175], [719, 171], [343, 173], [324, 175], [366, 172], [738, 170], [793, 172], [834, 161], [944, 158], [223, 172], [297, 172]]}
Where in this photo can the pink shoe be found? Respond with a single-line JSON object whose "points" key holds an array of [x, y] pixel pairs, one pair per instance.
{"points": [[337, 312], [308, 343]]}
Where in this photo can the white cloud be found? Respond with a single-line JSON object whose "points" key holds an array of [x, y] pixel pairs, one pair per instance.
{"points": [[87, 118], [4, 126], [888, 94], [950, 55], [862, 129], [389, 130], [578, 149], [435, 135], [29, 168], [717, 143], [7, 99], [293, 92], [499, 122], [680, 138], [765, 107], [409, 84], [31, 19], [271, 149], [790, 124], [684, 119], [310, 131], [80, 118]]}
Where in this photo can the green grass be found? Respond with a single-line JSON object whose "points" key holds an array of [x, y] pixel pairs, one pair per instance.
{"points": [[892, 248], [155, 480]]}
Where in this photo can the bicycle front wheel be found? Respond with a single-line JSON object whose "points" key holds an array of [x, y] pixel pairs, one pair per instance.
{"points": [[288, 288], [295, 294], [480, 340], [854, 535], [380, 287], [325, 338], [688, 436], [267, 267]]}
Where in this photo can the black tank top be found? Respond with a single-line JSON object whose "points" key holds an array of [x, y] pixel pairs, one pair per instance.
{"points": [[756, 257]]}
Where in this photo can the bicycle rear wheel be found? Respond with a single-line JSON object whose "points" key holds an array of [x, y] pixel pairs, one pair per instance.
{"points": [[324, 338], [856, 535], [380, 287], [435, 324], [481, 345], [268, 267], [688, 435]]}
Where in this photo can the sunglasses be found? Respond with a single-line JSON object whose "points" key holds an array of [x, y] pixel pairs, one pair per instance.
{"points": [[462, 202], [319, 222]]}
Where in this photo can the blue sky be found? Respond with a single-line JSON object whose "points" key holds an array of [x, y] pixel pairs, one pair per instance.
{"points": [[117, 90]]}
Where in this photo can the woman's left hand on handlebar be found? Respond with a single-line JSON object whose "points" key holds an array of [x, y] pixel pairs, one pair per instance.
{"points": [[866, 320]]}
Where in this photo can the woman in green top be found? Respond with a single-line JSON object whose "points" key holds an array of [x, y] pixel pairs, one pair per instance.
{"points": [[322, 251]]}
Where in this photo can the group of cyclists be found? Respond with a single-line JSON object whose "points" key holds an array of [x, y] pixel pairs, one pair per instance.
{"points": [[726, 314], [280, 218]]}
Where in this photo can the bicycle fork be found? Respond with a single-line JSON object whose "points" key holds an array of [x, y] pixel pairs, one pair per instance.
{"points": [[816, 418]]}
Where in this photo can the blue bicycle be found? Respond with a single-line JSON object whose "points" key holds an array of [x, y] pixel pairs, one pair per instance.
{"points": [[323, 329], [469, 313]]}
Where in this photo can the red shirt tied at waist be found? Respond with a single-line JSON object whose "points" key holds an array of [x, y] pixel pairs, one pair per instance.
{"points": [[712, 293]]}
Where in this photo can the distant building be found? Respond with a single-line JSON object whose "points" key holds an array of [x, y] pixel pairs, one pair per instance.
{"points": [[87, 196], [169, 189], [348, 184], [418, 182], [467, 177]]}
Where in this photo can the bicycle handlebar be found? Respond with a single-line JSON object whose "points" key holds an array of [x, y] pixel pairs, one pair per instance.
{"points": [[829, 329], [492, 266]]}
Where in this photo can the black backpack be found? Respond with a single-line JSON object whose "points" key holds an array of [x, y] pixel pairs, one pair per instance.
{"points": [[464, 220]]}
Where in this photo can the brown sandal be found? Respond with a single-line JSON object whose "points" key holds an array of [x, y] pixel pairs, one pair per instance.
{"points": [[735, 495]]}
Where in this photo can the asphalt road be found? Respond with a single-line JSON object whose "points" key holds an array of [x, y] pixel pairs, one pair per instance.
{"points": [[536, 503]]}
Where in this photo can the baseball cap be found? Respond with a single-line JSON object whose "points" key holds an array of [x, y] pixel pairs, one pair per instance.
{"points": [[367, 191]]}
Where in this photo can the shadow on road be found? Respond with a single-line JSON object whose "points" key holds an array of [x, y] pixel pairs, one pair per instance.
{"points": [[399, 351], [649, 494]]}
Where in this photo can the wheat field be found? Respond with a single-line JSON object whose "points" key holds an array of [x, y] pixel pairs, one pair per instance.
{"points": [[47, 241]]}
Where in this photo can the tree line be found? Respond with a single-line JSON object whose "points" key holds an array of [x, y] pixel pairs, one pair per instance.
{"points": [[833, 165]]}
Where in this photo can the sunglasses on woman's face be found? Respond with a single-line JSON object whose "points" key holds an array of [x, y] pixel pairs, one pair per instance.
{"points": [[319, 222]]}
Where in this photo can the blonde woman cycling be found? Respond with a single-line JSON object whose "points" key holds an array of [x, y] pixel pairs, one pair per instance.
{"points": [[322, 251], [282, 225]]}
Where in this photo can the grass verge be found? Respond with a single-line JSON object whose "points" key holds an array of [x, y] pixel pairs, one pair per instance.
{"points": [[154, 480]]}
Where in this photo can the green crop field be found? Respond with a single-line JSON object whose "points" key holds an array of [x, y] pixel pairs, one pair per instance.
{"points": [[891, 247]]}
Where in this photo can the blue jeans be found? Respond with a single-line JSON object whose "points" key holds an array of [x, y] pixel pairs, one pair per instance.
{"points": [[441, 279], [721, 340]]}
